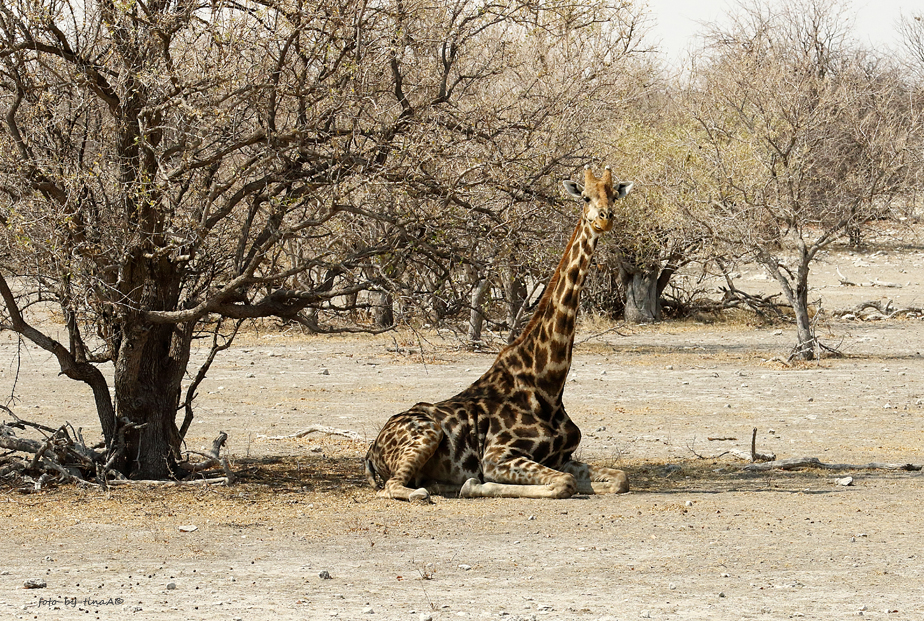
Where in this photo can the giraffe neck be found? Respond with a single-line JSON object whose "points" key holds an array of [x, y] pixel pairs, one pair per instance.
{"points": [[543, 349]]}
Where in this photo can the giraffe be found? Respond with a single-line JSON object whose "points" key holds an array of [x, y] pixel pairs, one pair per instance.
{"points": [[508, 435]]}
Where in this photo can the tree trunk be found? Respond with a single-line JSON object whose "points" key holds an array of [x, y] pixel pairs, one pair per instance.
{"points": [[148, 378], [515, 290], [804, 329], [796, 292], [383, 310], [476, 316], [642, 295]]}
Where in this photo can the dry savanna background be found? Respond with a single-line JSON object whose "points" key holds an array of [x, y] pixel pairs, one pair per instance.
{"points": [[301, 535], [237, 235]]}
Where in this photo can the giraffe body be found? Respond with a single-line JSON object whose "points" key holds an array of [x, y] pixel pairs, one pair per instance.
{"points": [[508, 433]]}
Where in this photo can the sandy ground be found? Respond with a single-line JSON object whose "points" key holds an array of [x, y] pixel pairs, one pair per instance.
{"points": [[697, 538]]}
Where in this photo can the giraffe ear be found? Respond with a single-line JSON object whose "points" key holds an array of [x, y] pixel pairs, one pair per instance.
{"points": [[625, 188], [573, 189]]}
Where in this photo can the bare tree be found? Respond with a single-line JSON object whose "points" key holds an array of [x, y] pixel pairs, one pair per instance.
{"points": [[803, 138], [911, 29], [655, 238]]}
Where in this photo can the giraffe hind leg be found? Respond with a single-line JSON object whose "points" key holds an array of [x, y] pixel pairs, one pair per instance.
{"points": [[521, 478], [597, 480], [408, 445]]}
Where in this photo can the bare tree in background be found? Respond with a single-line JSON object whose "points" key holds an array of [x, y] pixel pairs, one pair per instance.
{"points": [[803, 139], [911, 29], [656, 236]]}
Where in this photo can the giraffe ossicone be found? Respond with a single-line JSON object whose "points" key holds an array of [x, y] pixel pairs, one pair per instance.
{"points": [[508, 435]]}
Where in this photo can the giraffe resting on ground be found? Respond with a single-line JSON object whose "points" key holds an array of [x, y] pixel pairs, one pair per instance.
{"points": [[507, 435]]}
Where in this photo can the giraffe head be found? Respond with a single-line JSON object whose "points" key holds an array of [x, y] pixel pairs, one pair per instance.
{"points": [[598, 195]]}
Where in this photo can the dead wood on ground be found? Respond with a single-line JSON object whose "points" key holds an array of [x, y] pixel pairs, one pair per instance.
{"points": [[63, 456]]}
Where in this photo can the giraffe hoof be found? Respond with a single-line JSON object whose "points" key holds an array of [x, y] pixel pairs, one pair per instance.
{"points": [[419, 495], [468, 489]]}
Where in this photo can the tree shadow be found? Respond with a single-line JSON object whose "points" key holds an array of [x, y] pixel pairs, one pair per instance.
{"points": [[714, 477]]}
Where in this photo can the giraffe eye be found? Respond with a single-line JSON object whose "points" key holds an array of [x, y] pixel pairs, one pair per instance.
{"points": [[586, 199]]}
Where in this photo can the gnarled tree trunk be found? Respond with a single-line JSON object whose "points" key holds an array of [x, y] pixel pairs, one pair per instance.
{"points": [[642, 295]]}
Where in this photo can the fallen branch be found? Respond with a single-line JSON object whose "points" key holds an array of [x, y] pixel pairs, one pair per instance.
{"points": [[64, 456], [845, 282], [317, 429], [53, 456], [213, 459], [884, 307], [794, 463], [752, 456], [156, 482]]}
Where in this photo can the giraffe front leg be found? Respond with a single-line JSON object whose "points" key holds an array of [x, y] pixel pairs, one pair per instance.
{"points": [[402, 449], [597, 480], [394, 489], [520, 478]]}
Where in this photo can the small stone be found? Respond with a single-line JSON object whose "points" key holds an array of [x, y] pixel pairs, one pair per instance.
{"points": [[688, 503], [187, 529], [324, 575], [646, 614], [425, 616], [721, 594], [325, 372], [845, 481], [368, 611], [37, 583], [464, 567], [171, 586], [672, 586]]}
